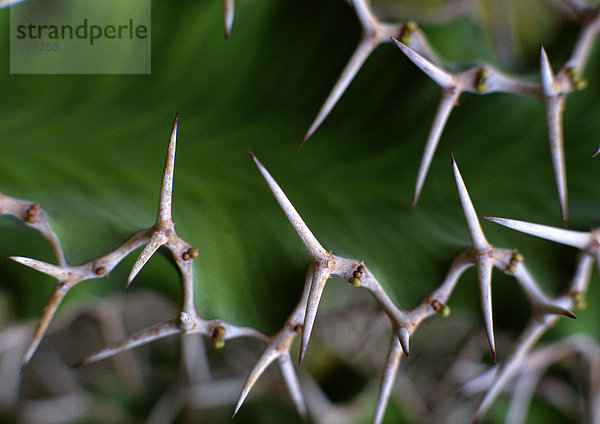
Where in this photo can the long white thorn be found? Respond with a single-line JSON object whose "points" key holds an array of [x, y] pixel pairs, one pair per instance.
{"points": [[166, 188], [477, 238], [308, 239], [58, 272], [360, 55], [292, 383], [577, 239], [444, 79], [447, 103], [142, 337], [485, 264], [268, 356], [157, 240], [388, 378], [554, 102], [320, 277]]}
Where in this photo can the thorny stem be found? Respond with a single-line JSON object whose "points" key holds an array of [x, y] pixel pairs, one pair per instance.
{"points": [[404, 323], [480, 79], [162, 233], [324, 264]]}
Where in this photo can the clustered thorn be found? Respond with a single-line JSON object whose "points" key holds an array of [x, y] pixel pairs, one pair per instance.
{"points": [[524, 364]]}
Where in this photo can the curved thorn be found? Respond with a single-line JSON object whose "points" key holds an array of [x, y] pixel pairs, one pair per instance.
{"points": [[387, 378], [52, 304], [320, 277], [577, 239], [166, 187], [404, 339], [485, 264], [536, 297], [554, 103], [147, 335], [157, 240], [546, 74], [477, 238], [306, 236], [554, 114], [360, 55], [268, 356], [436, 73], [447, 103]]}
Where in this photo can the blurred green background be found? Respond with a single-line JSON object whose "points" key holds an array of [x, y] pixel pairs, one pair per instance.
{"points": [[90, 150]]}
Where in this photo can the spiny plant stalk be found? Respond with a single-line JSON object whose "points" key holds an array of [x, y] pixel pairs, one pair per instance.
{"points": [[552, 90], [162, 233], [525, 365], [322, 266]]}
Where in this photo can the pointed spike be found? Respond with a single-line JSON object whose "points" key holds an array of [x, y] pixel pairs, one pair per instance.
{"points": [[306, 236], [157, 240], [387, 378], [147, 335], [166, 187], [228, 12], [578, 239], [293, 384], [404, 338], [268, 356], [484, 273], [360, 55], [447, 103], [52, 304], [436, 73], [477, 237], [528, 337], [549, 308], [547, 76], [597, 152], [554, 114], [320, 277], [58, 272], [540, 302]]}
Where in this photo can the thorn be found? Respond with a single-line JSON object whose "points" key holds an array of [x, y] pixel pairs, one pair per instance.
{"points": [[156, 241], [447, 103], [58, 272], [166, 187], [546, 74], [477, 237], [554, 104], [147, 335], [228, 12], [306, 236], [578, 239], [292, 383], [387, 378], [360, 55], [436, 73], [320, 277], [404, 337], [268, 356], [484, 273]]}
